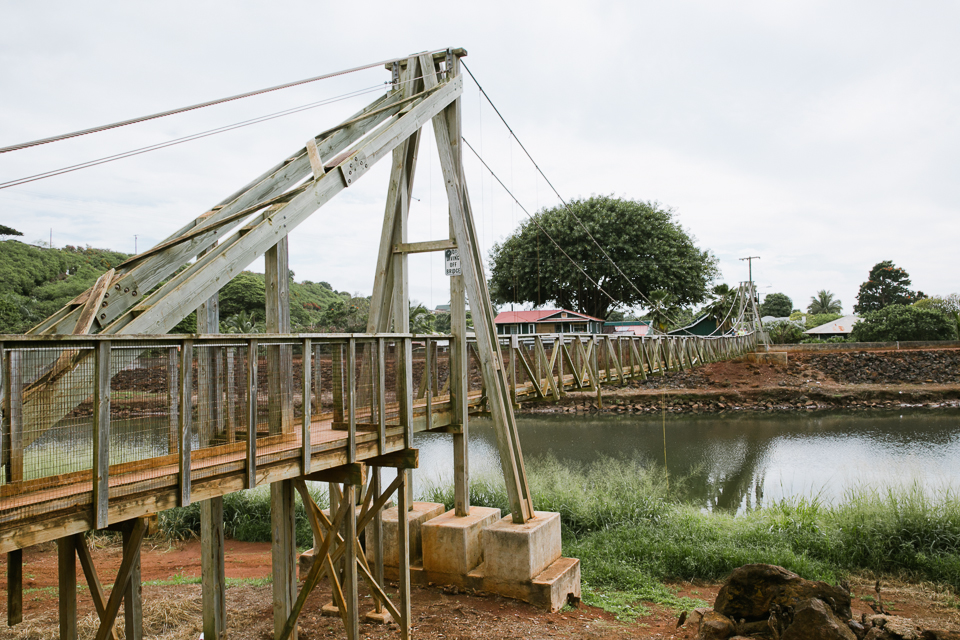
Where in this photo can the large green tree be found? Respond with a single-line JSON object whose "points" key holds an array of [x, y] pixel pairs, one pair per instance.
{"points": [[887, 284], [643, 238], [778, 305], [904, 322]]}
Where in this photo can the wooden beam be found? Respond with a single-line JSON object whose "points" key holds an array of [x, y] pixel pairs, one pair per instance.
{"points": [[284, 554], [13, 415], [101, 436], [93, 581], [93, 303], [403, 553], [128, 566], [250, 480], [424, 247], [351, 621], [213, 580], [186, 417], [132, 600], [316, 163], [307, 352], [67, 587], [14, 587], [352, 474], [403, 459]]}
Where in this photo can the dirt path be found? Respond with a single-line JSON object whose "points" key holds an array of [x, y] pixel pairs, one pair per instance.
{"points": [[173, 610]]}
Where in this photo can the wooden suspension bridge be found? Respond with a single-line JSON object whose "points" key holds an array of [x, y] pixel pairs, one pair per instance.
{"points": [[107, 419]]}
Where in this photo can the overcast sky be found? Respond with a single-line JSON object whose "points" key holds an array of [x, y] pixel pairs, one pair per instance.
{"points": [[821, 136]]}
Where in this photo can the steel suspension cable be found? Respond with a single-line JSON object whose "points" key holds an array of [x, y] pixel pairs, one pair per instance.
{"points": [[201, 105], [537, 222]]}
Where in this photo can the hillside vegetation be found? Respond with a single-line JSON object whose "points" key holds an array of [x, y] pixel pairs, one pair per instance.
{"points": [[37, 281]]}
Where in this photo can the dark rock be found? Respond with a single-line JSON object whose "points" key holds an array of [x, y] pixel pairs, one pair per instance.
{"points": [[715, 626], [752, 589], [814, 620], [858, 629]]}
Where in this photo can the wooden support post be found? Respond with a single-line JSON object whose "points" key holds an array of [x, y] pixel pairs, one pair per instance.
{"points": [[514, 346], [186, 415], [458, 365], [173, 399], [212, 568], [93, 582], [134, 531], [132, 591], [381, 396], [403, 554], [279, 357], [428, 379], [376, 529], [336, 372], [251, 385], [101, 435], [209, 385], [352, 620], [67, 587], [405, 377], [14, 587], [352, 401], [13, 415], [284, 553], [231, 397], [307, 452], [596, 370]]}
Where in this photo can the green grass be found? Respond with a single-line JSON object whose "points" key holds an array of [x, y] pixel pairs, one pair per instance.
{"points": [[635, 535]]}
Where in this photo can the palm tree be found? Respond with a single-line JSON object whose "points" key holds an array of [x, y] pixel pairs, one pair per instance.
{"points": [[719, 309], [421, 320], [242, 322], [662, 308], [824, 302]]}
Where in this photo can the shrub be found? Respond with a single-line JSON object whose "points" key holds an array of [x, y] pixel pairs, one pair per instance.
{"points": [[784, 331], [904, 322]]}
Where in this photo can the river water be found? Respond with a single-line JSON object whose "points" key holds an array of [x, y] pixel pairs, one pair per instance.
{"points": [[731, 461]]}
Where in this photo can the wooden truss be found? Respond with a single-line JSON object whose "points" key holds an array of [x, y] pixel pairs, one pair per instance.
{"points": [[188, 269]]}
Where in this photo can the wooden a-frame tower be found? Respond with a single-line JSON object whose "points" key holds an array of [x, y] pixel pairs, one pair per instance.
{"points": [[255, 221]]}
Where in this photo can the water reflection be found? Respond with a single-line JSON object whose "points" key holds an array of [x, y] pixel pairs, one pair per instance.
{"points": [[733, 461]]}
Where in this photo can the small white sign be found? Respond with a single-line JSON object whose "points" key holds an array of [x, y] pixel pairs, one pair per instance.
{"points": [[451, 260]]}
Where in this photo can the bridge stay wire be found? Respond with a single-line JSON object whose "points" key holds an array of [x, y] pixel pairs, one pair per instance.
{"points": [[557, 193], [187, 138], [537, 222], [210, 103]]}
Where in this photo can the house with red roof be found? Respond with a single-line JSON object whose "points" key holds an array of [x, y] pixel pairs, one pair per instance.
{"points": [[546, 321]]}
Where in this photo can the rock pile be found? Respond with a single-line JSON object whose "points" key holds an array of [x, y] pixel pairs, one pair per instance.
{"points": [[889, 367], [766, 601]]}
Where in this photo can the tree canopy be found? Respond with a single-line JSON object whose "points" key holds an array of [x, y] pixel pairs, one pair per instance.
{"points": [[9, 231], [903, 322], [886, 285], [643, 238], [824, 302], [778, 305]]}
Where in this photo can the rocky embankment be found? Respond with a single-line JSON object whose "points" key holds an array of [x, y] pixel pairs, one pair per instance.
{"points": [[807, 382], [766, 601]]}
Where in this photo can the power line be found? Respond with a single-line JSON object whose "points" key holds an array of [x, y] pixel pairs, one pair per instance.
{"points": [[162, 114]]}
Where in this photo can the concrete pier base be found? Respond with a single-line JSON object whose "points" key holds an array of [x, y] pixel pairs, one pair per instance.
{"points": [[487, 553], [421, 513], [452, 544]]}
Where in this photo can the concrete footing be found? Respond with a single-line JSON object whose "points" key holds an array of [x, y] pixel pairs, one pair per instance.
{"points": [[484, 552]]}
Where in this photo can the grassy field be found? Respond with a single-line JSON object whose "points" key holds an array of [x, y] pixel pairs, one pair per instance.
{"points": [[635, 535]]}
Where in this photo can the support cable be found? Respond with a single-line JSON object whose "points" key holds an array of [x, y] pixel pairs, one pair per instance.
{"points": [[210, 103], [565, 204], [537, 222], [188, 138]]}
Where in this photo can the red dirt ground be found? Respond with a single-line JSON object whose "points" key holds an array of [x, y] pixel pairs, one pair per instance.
{"points": [[173, 610]]}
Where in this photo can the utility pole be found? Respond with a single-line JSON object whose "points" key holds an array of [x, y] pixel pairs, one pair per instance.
{"points": [[135, 252], [750, 260]]}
